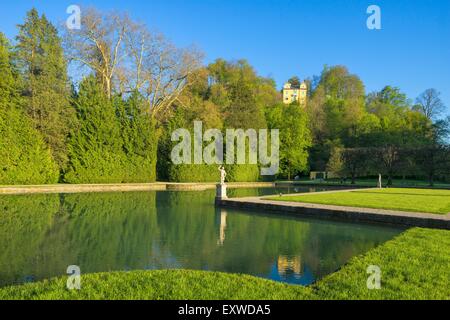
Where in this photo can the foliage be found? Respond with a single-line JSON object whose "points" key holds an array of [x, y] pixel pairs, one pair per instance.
{"points": [[95, 148], [139, 137], [45, 86], [225, 95], [24, 158], [430, 104], [336, 108], [295, 137], [243, 173], [116, 125], [127, 57]]}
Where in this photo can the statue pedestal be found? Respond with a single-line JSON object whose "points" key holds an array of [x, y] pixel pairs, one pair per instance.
{"points": [[221, 192]]}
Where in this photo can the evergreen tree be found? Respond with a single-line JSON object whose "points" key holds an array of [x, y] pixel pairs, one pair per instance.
{"points": [[41, 61], [24, 158], [139, 137], [95, 147]]}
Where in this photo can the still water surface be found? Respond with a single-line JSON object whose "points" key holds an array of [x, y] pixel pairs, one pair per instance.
{"points": [[41, 235]]}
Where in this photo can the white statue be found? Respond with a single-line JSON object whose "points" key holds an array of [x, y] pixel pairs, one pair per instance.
{"points": [[223, 174]]}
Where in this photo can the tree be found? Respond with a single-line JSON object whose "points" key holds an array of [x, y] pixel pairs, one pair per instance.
{"points": [[40, 58], [398, 131], [335, 110], [193, 105], [96, 146], [433, 157], [237, 90], [430, 104], [24, 157], [336, 161], [295, 137], [126, 58], [355, 162], [139, 138], [295, 82]]}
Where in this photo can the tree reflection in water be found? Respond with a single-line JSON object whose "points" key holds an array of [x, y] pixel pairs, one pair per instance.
{"points": [[41, 235]]}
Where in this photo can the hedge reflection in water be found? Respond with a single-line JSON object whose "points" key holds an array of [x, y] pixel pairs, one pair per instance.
{"points": [[41, 235]]}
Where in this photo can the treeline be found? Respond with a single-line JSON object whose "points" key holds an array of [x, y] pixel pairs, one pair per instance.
{"points": [[52, 133], [231, 95], [133, 89], [359, 135], [112, 120]]}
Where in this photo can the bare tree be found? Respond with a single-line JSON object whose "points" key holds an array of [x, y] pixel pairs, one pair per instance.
{"points": [[127, 57], [430, 104], [98, 45], [158, 69]]}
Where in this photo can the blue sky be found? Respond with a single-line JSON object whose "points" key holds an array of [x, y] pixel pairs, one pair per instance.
{"points": [[281, 38]]}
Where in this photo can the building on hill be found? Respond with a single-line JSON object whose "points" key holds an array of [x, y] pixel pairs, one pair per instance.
{"points": [[293, 94]]}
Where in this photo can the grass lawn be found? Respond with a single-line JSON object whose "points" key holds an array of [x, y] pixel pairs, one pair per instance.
{"points": [[372, 183], [160, 285], [413, 200], [415, 265]]}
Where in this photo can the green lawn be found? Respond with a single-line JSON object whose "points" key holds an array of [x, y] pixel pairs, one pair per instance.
{"points": [[413, 200], [160, 285], [371, 183], [415, 265]]}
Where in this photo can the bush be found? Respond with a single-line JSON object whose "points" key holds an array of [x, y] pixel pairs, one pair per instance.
{"points": [[115, 141], [243, 173], [24, 157], [194, 173]]}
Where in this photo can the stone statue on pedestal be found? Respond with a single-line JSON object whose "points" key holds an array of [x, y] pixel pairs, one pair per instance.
{"points": [[223, 174], [221, 192]]}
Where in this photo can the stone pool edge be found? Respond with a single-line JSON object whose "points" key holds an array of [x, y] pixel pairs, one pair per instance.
{"points": [[130, 187], [349, 214]]}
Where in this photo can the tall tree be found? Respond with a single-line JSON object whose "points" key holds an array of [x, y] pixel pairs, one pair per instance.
{"points": [[335, 109], [96, 146], [237, 90], [399, 129], [433, 157], [295, 137], [24, 158], [40, 58], [126, 58], [430, 104], [139, 138]]}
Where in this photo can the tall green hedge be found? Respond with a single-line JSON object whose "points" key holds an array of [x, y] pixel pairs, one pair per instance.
{"points": [[24, 157], [243, 173], [113, 142], [139, 137]]}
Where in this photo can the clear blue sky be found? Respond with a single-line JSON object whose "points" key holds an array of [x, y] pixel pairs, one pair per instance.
{"points": [[281, 38]]}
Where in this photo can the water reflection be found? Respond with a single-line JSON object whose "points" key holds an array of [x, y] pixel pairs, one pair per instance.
{"points": [[223, 227], [43, 234]]}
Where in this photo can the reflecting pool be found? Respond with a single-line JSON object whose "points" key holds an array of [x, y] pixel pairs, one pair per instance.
{"points": [[41, 235]]}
